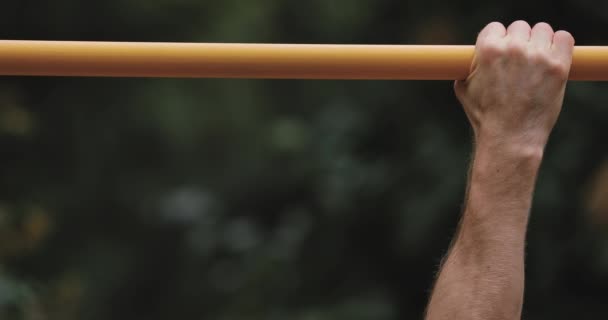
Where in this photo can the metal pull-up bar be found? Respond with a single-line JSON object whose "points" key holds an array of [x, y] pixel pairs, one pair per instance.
{"points": [[270, 61]]}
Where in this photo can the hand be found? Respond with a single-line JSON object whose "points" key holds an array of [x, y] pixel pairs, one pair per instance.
{"points": [[515, 90]]}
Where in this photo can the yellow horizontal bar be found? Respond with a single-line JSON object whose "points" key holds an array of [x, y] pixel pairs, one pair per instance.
{"points": [[278, 61]]}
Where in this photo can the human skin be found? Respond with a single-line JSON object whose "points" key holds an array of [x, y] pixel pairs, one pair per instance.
{"points": [[512, 98]]}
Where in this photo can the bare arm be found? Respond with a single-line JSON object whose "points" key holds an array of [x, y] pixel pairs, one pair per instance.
{"points": [[512, 98]]}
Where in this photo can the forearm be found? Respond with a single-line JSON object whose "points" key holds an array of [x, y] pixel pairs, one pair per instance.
{"points": [[483, 275]]}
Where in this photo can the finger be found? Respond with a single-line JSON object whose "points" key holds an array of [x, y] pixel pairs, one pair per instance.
{"points": [[493, 29], [519, 30], [563, 45], [541, 35]]}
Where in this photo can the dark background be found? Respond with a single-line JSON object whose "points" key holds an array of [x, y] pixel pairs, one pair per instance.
{"points": [[259, 199]]}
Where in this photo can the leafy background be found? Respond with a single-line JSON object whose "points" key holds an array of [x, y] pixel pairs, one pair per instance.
{"points": [[273, 199]]}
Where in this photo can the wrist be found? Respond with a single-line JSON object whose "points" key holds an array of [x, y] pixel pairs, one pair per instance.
{"points": [[524, 139], [503, 175], [524, 150], [502, 179], [506, 159]]}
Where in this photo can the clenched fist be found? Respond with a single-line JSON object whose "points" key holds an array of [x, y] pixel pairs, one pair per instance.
{"points": [[514, 93]]}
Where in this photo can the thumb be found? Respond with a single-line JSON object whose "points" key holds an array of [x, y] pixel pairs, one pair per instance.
{"points": [[459, 89]]}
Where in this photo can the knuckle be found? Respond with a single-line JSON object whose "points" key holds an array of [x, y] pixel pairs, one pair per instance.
{"points": [[495, 24], [557, 68], [539, 56], [535, 57], [565, 33], [516, 48], [543, 25], [489, 50], [520, 23], [564, 36]]}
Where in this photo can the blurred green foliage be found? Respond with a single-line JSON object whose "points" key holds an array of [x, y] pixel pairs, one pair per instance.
{"points": [[259, 199]]}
